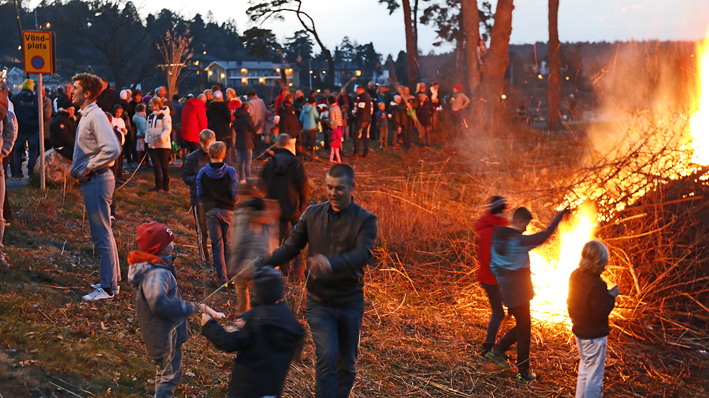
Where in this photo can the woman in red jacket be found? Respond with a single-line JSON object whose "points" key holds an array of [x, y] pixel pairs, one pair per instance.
{"points": [[194, 120], [485, 227]]}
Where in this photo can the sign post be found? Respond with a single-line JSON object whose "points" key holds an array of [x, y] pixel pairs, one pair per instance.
{"points": [[39, 53]]}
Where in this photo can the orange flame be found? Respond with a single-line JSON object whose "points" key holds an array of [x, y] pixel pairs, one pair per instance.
{"points": [[699, 122]]}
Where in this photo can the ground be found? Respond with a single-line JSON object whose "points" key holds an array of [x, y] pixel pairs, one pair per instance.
{"points": [[425, 315]]}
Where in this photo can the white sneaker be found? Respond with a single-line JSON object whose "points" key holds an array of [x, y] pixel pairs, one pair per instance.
{"points": [[98, 294], [114, 290]]}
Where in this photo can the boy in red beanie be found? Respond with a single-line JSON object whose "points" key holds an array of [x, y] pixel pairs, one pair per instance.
{"points": [[162, 314]]}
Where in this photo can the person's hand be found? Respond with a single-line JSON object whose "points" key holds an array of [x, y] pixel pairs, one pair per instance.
{"points": [[239, 323], [614, 291], [205, 309], [319, 265], [205, 318], [84, 177]]}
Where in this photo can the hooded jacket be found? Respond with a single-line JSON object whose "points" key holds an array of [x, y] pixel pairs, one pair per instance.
{"points": [[159, 129], [589, 305], [486, 227], [218, 186], [244, 129], [363, 108], [219, 120], [266, 346], [309, 118], [194, 120], [8, 133], [62, 134], [26, 111], [193, 164], [335, 116], [510, 262], [161, 311], [289, 123], [287, 182]]}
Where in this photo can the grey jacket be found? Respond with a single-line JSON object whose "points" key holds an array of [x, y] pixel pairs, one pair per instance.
{"points": [[162, 314], [8, 127], [258, 112], [96, 145]]}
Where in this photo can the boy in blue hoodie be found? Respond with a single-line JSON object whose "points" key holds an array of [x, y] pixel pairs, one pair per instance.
{"points": [[218, 187], [510, 264], [162, 314]]}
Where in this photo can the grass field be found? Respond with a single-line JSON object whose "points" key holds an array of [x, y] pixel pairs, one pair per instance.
{"points": [[425, 316]]}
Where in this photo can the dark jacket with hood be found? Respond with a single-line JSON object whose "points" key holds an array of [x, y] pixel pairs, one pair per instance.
{"points": [[219, 120], [289, 123], [162, 314], [108, 99], [363, 109], [486, 227], [287, 182], [218, 186], [26, 112], [244, 129], [266, 346], [193, 164], [346, 238], [62, 134], [510, 262], [589, 305]]}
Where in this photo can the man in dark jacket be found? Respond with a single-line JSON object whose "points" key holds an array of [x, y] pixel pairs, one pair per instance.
{"points": [[340, 238], [109, 97], [27, 113], [511, 266], [289, 123], [193, 164], [244, 139], [266, 338], [363, 115], [62, 131], [162, 314], [287, 182]]}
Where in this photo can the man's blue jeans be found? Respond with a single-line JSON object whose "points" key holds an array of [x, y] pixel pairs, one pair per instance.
{"points": [[24, 140], [220, 224], [98, 193], [244, 169], [335, 331]]}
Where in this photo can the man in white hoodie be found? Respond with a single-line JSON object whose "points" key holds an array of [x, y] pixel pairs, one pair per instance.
{"points": [[95, 149], [159, 143]]}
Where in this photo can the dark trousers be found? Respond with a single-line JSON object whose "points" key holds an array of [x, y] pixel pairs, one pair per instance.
{"points": [[131, 155], [200, 224], [23, 141], [297, 271], [161, 162], [335, 331], [361, 134], [6, 211], [309, 138], [520, 334], [498, 314], [406, 134]]}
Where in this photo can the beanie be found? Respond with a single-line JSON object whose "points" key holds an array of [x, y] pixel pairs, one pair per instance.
{"points": [[458, 87], [28, 84], [267, 285], [154, 237], [64, 103]]}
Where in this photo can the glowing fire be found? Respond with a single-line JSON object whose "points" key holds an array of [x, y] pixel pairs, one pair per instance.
{"points": [[699, 123], [551, 276]]}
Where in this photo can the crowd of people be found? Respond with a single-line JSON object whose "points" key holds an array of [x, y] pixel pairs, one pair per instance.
{"points": [[259, 226]]}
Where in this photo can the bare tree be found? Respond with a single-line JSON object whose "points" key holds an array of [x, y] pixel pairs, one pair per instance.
{"points": [[262, 11], [410, 31], [471, 27], [554, 82], [175, 50]]}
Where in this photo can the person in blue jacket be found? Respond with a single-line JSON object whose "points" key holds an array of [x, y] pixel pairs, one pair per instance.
{"points": [[309, 120]]}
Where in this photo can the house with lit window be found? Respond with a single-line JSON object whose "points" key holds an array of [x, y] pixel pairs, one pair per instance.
{"points": [[344, 71], [250, 73]]}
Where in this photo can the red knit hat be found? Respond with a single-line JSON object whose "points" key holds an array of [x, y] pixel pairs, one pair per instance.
{"points": [[154, 237], [458, 87]]}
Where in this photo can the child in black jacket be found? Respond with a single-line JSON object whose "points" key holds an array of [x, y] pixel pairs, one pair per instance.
{"points": [[266, 340], [589, 303]]}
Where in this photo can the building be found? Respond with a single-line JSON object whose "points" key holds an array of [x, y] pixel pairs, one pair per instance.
{"points": [[250, 73], [15, 77]]}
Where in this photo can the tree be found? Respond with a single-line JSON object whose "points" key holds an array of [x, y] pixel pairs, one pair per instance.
{"points": [[496, 62], [299, 47], [261, 44], [411, 34], [371, 59], [262, 11], [175, 50], [554, 81]]}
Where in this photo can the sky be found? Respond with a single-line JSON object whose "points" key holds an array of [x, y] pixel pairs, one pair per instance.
{"points": [[367, 21]]}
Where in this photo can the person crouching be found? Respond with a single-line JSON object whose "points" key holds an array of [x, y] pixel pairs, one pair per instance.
{"points": [[162, 314], [266, 339]]}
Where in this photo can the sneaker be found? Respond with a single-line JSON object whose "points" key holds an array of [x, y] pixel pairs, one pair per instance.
{"points": [[527, 377], [114, 290], [499, 360], [98, 294]]}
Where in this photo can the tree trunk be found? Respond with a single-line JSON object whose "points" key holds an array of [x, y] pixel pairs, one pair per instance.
{"points": [[330, 79], [460, 62], [471, 28], [554, 82], [411, 45], [496, 62]]}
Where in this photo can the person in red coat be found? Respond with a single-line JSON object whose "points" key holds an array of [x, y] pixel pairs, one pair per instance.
{"points": [[278, 102], [485, 227], [194, 120]]}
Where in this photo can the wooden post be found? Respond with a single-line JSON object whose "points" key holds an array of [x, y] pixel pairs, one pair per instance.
{"points": [[42, 183]]}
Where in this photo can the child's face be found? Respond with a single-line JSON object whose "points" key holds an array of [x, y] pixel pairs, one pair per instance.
{"points": [[168, 249], [382, 106]]}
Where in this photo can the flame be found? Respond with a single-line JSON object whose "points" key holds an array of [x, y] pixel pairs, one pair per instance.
{"points": [[699, 122], [551, 271]]}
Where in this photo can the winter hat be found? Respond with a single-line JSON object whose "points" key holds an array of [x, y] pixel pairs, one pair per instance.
{"points": [[267, 285], [125, 95], [458, 87], [28, 84], [154, 237], [64, 103]]}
